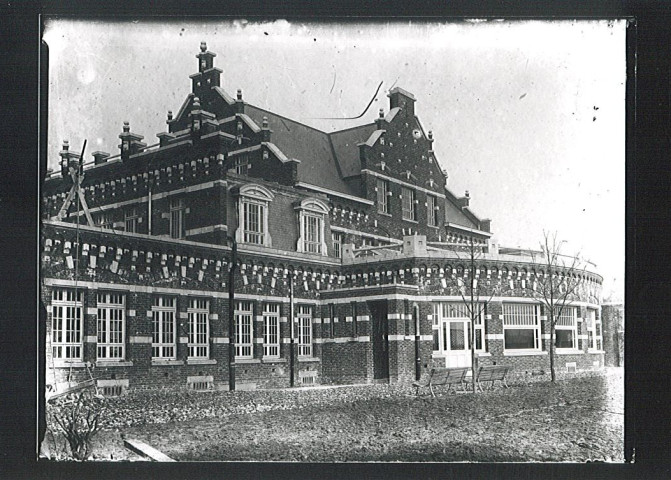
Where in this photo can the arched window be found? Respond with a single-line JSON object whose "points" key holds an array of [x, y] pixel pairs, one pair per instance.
{"points": [[311, 213], [253, 206]]}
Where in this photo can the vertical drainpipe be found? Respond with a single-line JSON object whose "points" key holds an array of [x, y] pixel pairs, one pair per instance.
{"points": [[291, 323], [418, 357], [231, 316]]}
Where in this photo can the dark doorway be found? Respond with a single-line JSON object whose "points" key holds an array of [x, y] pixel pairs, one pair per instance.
{"points": [[380, 331]]}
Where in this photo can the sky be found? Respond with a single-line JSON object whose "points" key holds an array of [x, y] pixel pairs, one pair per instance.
{"points": [[528, 116]]}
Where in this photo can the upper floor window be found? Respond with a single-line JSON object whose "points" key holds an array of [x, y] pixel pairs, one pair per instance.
{"points": [[311, 214], [382, 196], [241, 164], [337, 244], [432, 210], [177, 211], [104, 220], [131, 218], [408, 204], [111, 326], [67, 324], [253, 204]]}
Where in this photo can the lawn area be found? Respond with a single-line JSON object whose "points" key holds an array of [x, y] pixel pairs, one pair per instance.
{"points": [[575, 420]]}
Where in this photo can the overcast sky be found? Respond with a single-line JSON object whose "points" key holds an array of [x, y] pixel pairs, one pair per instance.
{"points": [[527, 116]]}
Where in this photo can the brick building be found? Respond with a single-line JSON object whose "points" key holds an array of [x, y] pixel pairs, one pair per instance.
{"points": [[353, 234]]}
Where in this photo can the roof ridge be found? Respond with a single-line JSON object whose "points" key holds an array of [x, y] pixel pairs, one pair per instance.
{"points": [[286, 118]]}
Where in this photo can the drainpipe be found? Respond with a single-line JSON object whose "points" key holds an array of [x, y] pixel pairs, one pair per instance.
{"points": [[418, 357], [151, 187], [291, 320], [231, 315]]}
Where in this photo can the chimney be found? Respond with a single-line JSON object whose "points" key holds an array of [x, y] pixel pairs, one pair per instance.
{"points": [[266, 132], [239, 103], [380, 121], [486, 225], [131, 143], [208, 75], [465, 200], [403, 100], [100, 157], [67, 158]]}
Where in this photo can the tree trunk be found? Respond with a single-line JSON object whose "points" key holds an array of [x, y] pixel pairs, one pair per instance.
{"points": [[552, 351]]}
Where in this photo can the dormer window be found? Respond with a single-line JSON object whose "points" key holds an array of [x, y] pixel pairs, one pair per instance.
{"points": [[253, 215], [311, 214], [240, 164]]}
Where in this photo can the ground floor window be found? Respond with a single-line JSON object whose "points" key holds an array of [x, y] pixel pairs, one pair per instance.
{"points": [[521, 326], [67, 322], [199, 328], [566, 329], [594, 335], [271, 330], [243, 330], [111, 326], [451, 327], [164, 338], [304, 318]]}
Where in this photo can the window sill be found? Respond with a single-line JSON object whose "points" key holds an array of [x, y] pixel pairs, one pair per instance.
{"points": [[568, 351], [595, 351], [112, 363], [273, 360], [524, 353], [247, 360], [384, 213], [410, 220], [483, 354], [70, 363], [309, 359], [201, 361], [159, 362]]}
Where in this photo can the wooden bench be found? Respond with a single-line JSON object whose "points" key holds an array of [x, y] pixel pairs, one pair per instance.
{"points": [[442, 376], [492, 374]]}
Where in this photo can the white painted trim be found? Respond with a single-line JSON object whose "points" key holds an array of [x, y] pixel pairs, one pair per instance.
{"points": [[426, 338], [214, 316], [394, 241], [131, 313], [243, 150], [183, 339], [222, 340], [140, 339], [90, 339], [401, 182], [468, 229], [363, 338], [211, 228], [328, 191], [395, 337], [493, 336], [568, 351], [526, 353], [163, 362], [183, 315], [113, 363], [91, 310]]}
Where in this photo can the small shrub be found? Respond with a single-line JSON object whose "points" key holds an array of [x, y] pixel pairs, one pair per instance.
{"points": [[77, 417]]}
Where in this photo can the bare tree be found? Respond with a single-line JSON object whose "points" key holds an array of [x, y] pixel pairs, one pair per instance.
{"points": [[558, 286]]}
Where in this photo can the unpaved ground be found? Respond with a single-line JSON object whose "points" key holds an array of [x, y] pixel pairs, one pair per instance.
{"points": [[576, 420]]}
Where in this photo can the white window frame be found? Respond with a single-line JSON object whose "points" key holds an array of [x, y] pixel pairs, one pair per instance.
{"points": [[595, 335], [164, 328], [431, 210], [337, 244], [177, 218], [522, 316], [111, 314], [312, 209], [304, 319], [240, 164], [382, 196], [271, 330], [260, 197], [244, 338], [104, 220], [444, 312], [131, 219], [67, 324], [568, 321], [198, 313], [408, 196]]}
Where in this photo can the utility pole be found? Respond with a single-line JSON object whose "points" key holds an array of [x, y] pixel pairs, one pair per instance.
{"points": [[231, 315]]}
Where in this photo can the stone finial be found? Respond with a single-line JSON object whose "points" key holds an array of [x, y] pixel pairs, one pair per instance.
{"points": [[381, 113], [430, 135], [66, 145], [169, 115], [466, 194], [196, 102], [126, 127], [239, 94], [264, 124], [203, 47]]}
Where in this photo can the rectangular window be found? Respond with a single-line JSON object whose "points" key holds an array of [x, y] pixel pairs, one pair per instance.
{"points": [[131, 219], [271, 330], [521, 327], [461, 311], [164, 340], [304, 331], [337, 244], [111, 326], [382, 195], [593, 331], [431, 211], [243, 329], [241, 164], [253, 222], [566, 329], [313, 233], [67, 323], [408, 204], [177, 218], [199, 328], [104, 220]]}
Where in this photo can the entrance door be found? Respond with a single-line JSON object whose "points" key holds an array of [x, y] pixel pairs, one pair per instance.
{"points": [[380, 330], [457, 347]]}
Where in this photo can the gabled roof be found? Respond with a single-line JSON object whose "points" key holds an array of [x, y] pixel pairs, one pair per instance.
{"points": [[345, 146]]}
